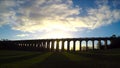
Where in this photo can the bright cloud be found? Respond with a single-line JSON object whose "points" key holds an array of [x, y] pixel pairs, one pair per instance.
{"points": [[55, 15], [45, 15]]}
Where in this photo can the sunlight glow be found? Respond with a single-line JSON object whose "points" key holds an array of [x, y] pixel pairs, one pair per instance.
{"points": [[57, 34], [60, 34]]}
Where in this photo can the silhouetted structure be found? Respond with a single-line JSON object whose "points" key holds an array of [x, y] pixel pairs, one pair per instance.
{"points": [[49, 44]]}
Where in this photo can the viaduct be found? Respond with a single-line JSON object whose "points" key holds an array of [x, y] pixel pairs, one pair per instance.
{"points": [[53, 44]]}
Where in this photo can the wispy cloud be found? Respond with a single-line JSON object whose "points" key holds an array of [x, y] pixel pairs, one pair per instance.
{"points": [[22, 35]]}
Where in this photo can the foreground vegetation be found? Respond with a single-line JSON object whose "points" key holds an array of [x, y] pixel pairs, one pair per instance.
{"points": [[90, 59]]}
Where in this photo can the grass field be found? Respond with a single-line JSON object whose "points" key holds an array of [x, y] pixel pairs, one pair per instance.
{"points": [[90, 59]]}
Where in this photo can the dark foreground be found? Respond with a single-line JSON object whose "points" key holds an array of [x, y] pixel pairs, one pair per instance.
{"points": [[91, 59]]}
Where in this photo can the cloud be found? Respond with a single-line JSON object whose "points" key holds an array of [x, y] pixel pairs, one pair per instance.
{"points": [[22, 35], [51, 15], [116, 3], [5, 11], [101, 2], [55, 15], [102, 16]]}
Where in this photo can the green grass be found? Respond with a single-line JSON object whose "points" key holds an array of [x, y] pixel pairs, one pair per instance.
{"points": [[90, 59], [73, 57], [22, 59]]}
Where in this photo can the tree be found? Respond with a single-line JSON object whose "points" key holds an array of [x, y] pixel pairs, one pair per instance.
{"points": [[113, 36], [118, 36]]}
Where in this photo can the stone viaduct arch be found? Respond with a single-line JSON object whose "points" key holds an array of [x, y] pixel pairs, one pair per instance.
{"points": [[49, 44]]}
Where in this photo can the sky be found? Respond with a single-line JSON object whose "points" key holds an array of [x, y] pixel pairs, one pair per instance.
{"points": [[43, 19]]}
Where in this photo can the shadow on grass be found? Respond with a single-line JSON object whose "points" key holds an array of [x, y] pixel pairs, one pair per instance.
{"points": [[26, 63], [84, 61], [18, 58], [102, 55], [69, 60], [56, 60], [95, 59]]}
